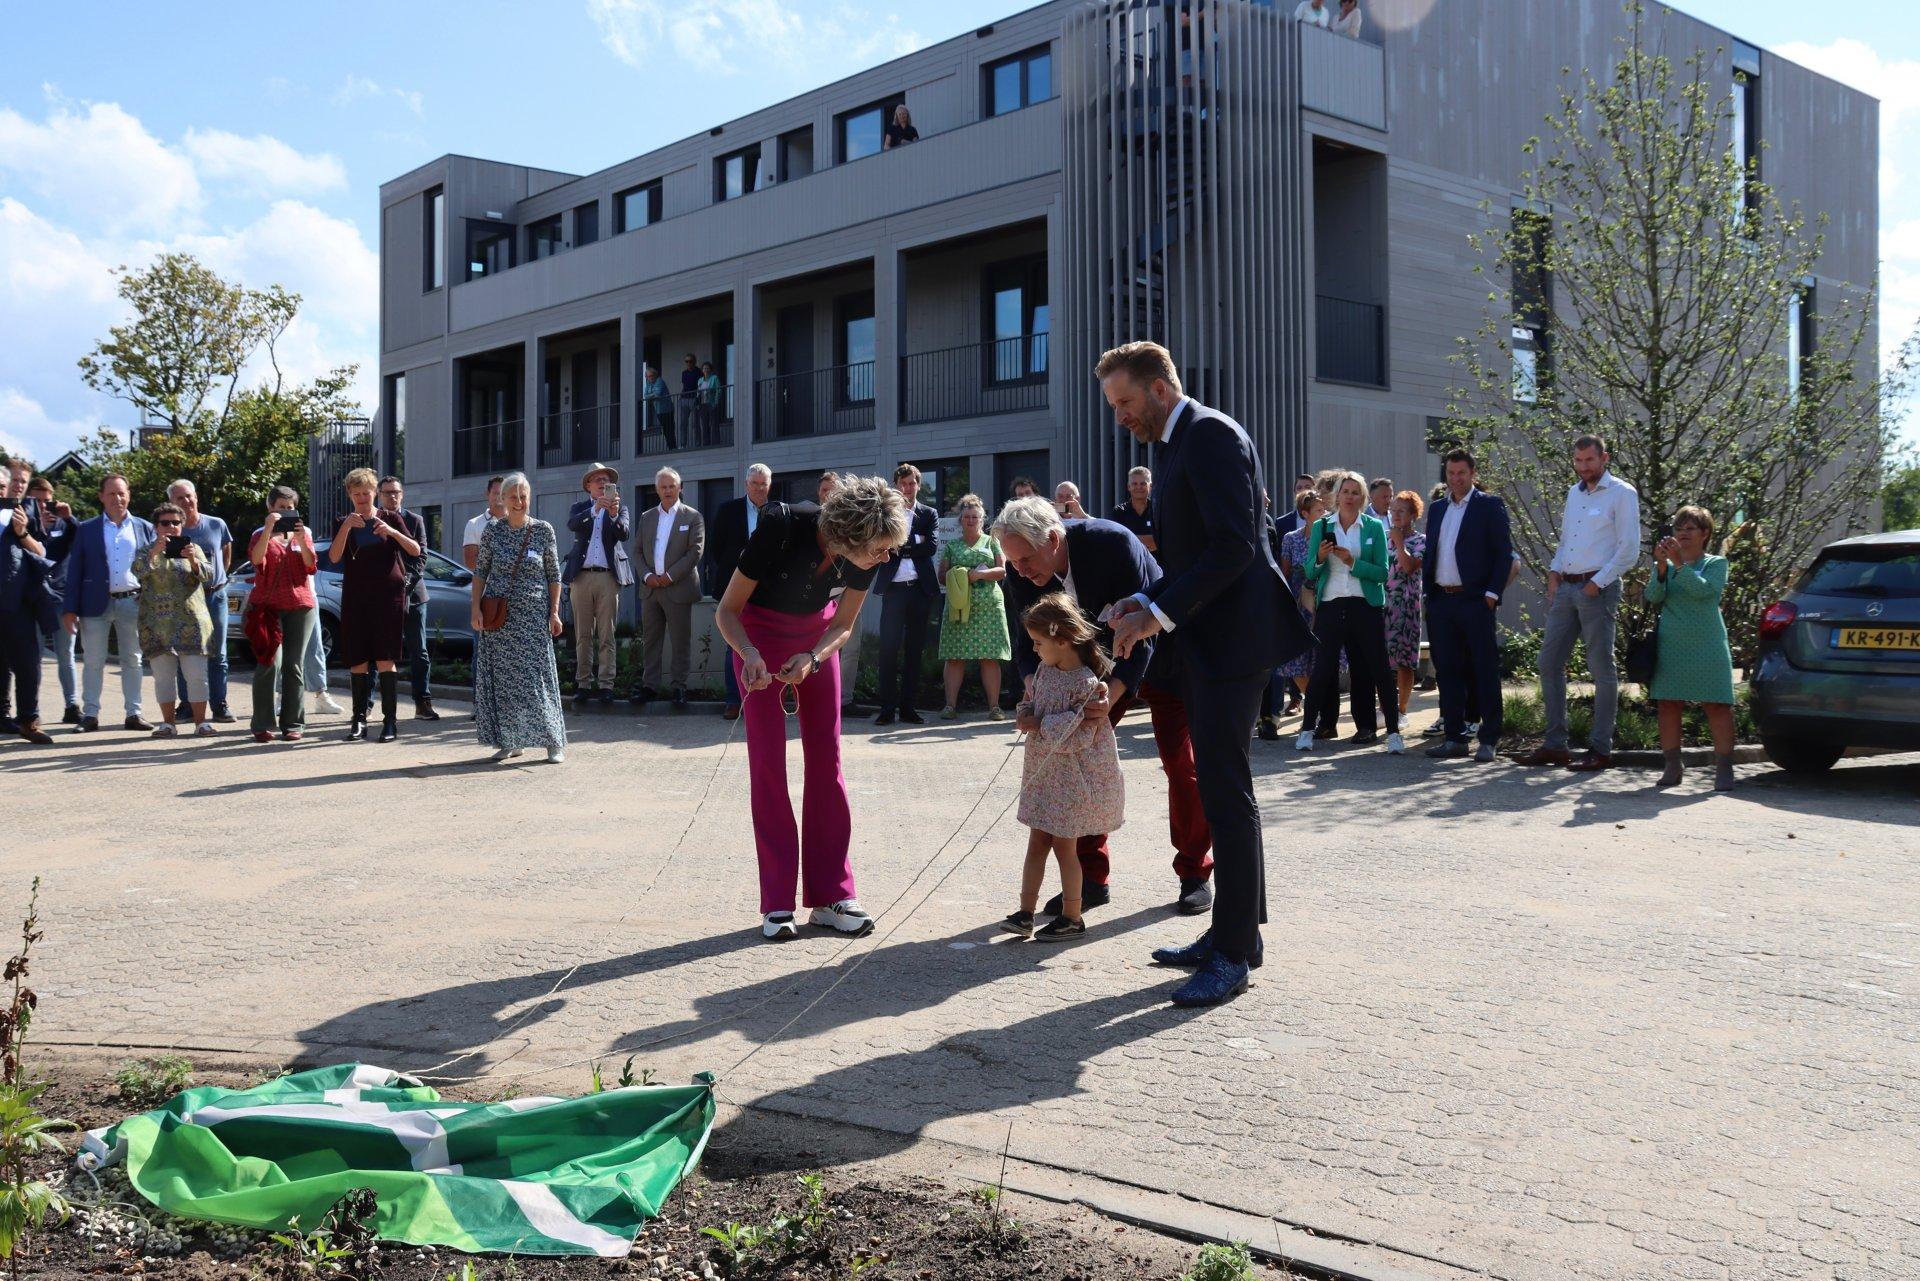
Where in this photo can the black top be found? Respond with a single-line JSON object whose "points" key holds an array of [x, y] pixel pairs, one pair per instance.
{"points": [[1141, 523], [896, 135], [783, 559]]}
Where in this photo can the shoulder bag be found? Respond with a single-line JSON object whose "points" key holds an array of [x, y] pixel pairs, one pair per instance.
{"points": [[493, 609]]}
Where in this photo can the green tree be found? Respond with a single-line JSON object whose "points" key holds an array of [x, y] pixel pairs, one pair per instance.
{"points": [[1900, 497], [1672, 272]]}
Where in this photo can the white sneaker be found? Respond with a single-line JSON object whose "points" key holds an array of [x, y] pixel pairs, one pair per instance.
{"points": [[204, 729], [846, 916], [1305, 742], [323, 702], [556, 756], [779, 927], [1395, 746], [505, 754]]}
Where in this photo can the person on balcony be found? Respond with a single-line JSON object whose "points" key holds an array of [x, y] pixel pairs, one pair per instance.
{"points": [[1314, 13], [1347, 21], [657, 399], [707, 401], [689, 389], [900, 130]]}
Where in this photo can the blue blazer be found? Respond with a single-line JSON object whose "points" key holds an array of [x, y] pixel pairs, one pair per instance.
{"points": [[1484, 549], [1109, 564], [923, 543], [614, 535], [1232, 609], [86, 593]]}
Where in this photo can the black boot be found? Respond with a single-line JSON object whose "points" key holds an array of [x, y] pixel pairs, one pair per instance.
{"points": [[389, 706], [360, 695]]}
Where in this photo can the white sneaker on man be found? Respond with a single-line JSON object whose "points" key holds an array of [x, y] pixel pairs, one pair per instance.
{"points": [[846, 917], [779, 927], [323, 702], [1305, 742], [1395, 746]]}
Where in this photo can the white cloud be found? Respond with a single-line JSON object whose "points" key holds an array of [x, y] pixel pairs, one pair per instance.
{"points": [[27, 428], [359, 88], [262, 164], [728, 35], [98, 162]]}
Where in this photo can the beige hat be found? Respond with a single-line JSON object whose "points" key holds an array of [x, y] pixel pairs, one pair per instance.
{"points": [[598, 469]]}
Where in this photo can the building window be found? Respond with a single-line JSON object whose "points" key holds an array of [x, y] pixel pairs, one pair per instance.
{"points": [[430, 517], [1018, 319], [1019, 81], [734, 175], [394, 455], [1532, 287], [586, 224], [853, 349], [636, 207], [544, 238], [944, 482], [796, 154], [435, 238], [862, 131], [489, 249], [1800, 335], [1746, 128]]}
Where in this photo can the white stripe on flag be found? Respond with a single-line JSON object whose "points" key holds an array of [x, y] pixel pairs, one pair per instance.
{"points": [[552, 1219], [418, 1130]]}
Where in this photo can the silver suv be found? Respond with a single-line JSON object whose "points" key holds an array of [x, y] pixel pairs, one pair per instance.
{"points": [[1839, 662]]}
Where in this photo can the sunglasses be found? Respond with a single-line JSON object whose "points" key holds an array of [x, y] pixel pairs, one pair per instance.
{"points": [[169, 524]]}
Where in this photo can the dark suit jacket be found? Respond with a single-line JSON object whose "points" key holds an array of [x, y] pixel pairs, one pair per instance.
{"points": [[726, 539], [23, 575], [613, 539], [1283, 524], [416, 566], [1232, 609], [1483, 550], [86, 593], [923, 542], [1109, 564]]}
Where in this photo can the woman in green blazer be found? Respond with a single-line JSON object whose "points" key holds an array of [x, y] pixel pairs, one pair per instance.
{"points": [[1347, 569]]}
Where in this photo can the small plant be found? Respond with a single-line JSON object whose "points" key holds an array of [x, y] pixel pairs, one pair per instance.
{"points": [[305, 1253], [740, 1244], [1000, 1230], [807, 1231], [342, 1245], [147, 1083], [25, 1203], [596, 1085], [627, 1076], [1221, 1263], [465, 1272], [857, 1265]]}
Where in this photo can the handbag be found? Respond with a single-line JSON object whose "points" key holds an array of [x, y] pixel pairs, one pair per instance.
{"points": [[493, 609], [1643, 655]]}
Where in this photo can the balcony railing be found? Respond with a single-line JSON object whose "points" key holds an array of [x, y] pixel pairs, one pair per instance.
{"points": [[820, 402], [702, 420], [490, 447], [1004, 376], [580, 435], [1351, 341]]}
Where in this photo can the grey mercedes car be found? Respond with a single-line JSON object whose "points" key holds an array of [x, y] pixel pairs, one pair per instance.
{"points": [[449, 603], [1839, 660]]}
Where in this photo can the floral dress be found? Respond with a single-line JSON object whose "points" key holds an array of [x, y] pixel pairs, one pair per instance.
{"points": [[173, 606], [984, 635], [516, 687], [1403, 606], [1293, 562], [1070, 782]]}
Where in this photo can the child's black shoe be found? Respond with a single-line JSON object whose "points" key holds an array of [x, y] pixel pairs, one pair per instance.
{"points": [[1020, 923], [1061, 928]]}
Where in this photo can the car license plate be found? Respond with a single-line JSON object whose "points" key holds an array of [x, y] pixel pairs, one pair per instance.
{"points": [[1877, 637], [236, 602]]}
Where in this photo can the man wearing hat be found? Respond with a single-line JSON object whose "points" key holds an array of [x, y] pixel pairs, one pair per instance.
{"points": [[596, 570]]}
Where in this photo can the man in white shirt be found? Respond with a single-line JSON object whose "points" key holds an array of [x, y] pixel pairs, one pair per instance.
{"points": [[1599, 542], [1468, 563], [103, 597], [1314, 13], [477, 527], [668, 543], [595, 573]]}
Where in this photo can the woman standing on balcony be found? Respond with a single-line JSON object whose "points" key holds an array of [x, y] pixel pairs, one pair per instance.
{"points": [[792, 603]]}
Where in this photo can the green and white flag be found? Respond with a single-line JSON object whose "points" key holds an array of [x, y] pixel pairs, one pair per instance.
{"points": [[526, 1176]]}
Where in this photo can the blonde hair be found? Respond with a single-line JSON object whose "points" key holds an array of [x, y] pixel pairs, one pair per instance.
{"points": [[970, 501], [361, 478], [1058, 617], [861, 511]]}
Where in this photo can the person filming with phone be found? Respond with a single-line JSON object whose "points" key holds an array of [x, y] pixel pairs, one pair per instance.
{"points": [[371, 547], [280, 616], [175, 627]]}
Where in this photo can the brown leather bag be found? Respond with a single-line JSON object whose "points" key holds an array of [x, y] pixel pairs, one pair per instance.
{"points": [[493, 609]]}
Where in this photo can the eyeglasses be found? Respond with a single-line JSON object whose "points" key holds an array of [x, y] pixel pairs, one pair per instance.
{"points": [[169, 524]]}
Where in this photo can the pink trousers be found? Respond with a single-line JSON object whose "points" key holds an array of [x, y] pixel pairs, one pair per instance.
{"points": [[816, 852]]}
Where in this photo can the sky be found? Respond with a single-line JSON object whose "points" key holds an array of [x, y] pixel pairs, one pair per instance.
{"points": [[256, 137]]}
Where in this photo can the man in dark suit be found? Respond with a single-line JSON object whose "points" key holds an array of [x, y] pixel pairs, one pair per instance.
{"points": [[597, 570], [24, 565], [727, 537], [1230, 619], [908, 592], [1468, 562], [1100, 563], [1287, 520]]}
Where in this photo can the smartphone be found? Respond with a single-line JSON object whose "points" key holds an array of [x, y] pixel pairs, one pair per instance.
{"points": [[288, 520], [177, 546], [1663, 533], [1061, 508]]}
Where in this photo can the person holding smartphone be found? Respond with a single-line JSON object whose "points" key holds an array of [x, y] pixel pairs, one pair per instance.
{"points": [[175, 627], [371, 547], [283, 564]]}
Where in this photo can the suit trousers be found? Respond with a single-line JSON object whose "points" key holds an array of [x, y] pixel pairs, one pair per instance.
{"points": [[663, 621], [595, 597], [1186, 819], [1466, 654], [1350, 623], [903, 638], [1220, 717], [20, 655]]}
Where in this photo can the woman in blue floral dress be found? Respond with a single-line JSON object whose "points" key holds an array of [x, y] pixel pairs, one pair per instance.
{"points": [[1406, 545], [1293, 563], [516, 686]]}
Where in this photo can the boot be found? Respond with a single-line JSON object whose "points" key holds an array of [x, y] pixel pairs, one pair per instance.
{"points": [[423, 710], [360, 695], [1723, 772], [389, 706], [31, 731], [1672, 776]]}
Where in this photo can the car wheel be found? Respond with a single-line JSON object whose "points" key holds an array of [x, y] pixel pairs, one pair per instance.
{"points": [[1797, 756], [330, 637]]}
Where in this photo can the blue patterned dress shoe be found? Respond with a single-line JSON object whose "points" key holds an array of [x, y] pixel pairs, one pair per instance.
{"points": [[1196, 953], [1218, 981]]}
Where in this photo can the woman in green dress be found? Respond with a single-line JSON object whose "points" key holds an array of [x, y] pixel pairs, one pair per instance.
{"points": [[974, 627], [1695, 664]]}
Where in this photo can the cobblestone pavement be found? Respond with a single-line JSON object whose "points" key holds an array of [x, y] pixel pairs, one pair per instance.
{"points": [[1523, 1023]]}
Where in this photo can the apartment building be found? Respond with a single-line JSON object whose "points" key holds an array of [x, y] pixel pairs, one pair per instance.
{"points": [[1288, 209]]}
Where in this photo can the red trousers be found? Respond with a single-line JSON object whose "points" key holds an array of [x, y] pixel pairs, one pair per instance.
{"points": [[1186, 821]]}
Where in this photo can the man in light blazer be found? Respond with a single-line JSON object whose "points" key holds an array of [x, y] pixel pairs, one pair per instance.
{"points": [[597, 570], [668, 545]]}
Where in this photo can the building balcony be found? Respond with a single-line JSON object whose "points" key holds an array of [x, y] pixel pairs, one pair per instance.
{"points": [[580, 435], [1350, 341], [1005, 376], [818, 402], [487, 448], [1344, 77], [681, 423]]}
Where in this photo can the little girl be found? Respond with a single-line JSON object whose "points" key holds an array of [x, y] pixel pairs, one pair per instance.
{"points": [[1070, 785]]}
